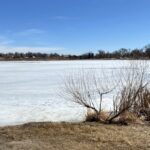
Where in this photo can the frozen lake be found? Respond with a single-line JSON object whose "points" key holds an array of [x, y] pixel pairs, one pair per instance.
{"points": [[29, 90]]}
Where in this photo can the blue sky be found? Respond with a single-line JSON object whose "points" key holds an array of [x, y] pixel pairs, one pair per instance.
{"points": [[73, 26]]}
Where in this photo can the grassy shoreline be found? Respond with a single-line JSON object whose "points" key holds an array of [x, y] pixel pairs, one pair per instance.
{"points": [[37, 136]]}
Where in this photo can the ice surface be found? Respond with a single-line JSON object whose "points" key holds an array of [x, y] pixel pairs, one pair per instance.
{"points": [[29, 90]]}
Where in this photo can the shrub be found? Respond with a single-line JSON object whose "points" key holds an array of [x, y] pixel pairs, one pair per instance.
{"points": [[129, 98], [132, 99], [87, 90]]}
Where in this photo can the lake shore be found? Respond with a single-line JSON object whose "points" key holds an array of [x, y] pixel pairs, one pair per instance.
{"points": [[74, 136]]}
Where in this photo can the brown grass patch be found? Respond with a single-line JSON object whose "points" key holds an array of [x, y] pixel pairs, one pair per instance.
{"points": [[130, 117], [55, 136], [91, 116]]}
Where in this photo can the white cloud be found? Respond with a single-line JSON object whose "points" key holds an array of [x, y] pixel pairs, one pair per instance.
{"points": [[61, 17], [10, 45], [64, 18], [28, 32], [5, 41], [5, 49]]}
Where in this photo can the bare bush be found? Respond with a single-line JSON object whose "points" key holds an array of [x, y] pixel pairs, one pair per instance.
{"points": [[131, 100], [133, 83], [84, 89], [143, 104]]}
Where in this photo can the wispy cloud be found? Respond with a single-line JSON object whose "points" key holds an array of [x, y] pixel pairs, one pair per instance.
{"points": [[16, 43], [5, 49], [63, 18], [28, 32], [5, 41]]}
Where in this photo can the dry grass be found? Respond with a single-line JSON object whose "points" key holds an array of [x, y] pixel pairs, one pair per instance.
{"points": [[130, 117], [91, 116], [46, 136]]}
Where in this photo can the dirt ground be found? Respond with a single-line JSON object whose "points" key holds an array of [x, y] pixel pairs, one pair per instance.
{"points": [[79, 136]]}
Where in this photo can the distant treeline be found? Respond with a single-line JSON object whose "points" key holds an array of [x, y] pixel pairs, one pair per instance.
{"points": [[101, 54]]}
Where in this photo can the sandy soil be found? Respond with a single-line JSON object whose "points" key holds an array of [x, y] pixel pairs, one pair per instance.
{"points": [[65, 136]]}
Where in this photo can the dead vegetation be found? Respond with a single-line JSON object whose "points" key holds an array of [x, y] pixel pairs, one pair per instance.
{"points": [[87, 90], [131, 100], [91, 116], [131, 95], [79, 136]]}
